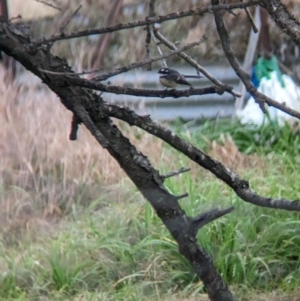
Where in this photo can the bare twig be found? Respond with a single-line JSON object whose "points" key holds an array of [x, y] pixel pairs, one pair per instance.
{"points": [[250, 18], [153, 30], [70, 73], [157, 19], [182, 196], [260, 98], [49, 4], [204, 218], [175, 172], [74, 127], [148, 34], [120, 70], [193, 63], [147, 45], [62, 28], [233, 180], [147, 61], [18, 17]]}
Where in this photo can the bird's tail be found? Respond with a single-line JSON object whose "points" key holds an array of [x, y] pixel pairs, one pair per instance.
{"points": [[193, 76]]}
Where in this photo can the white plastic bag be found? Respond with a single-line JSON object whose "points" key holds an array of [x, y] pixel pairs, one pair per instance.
{"points": [[289, 94]]}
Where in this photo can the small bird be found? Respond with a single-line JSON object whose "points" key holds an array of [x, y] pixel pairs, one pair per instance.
{"points": [[171, 78]]}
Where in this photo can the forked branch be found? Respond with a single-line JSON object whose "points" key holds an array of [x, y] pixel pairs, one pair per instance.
{"points": [[233, 180]]}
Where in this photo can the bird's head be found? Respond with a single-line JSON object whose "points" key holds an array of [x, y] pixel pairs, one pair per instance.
{"points": [[164, 71]]}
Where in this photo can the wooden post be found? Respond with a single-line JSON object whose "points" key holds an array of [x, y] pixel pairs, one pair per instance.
{"points": [[248, 60]]}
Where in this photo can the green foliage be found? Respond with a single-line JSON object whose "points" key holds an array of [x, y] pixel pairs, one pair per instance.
{"points": [[263, 140]]}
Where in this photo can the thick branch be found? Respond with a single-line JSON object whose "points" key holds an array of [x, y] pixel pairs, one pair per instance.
{"points": [[233, 180], [82, 82], [157, 19], [284, 20], [259, 97], [85, 83]]}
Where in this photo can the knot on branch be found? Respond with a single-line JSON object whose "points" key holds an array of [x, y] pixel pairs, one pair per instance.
{"points": [[242, 184]]}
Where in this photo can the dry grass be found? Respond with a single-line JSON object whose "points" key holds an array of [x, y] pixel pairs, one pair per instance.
{"points": [[31, 10], [228, 153], [42, 173]]}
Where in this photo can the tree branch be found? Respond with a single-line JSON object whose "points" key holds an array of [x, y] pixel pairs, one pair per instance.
{"points": [[82, 82], [250, 18], [284, 20], [157, 19], [63, 27], [70, 73], [151, 14], [182, 196], [175, 173], [240, 186], [74, 127]]}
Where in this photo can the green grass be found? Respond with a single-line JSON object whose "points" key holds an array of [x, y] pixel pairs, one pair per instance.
{"points": [[109, 249], [264, 139]]}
